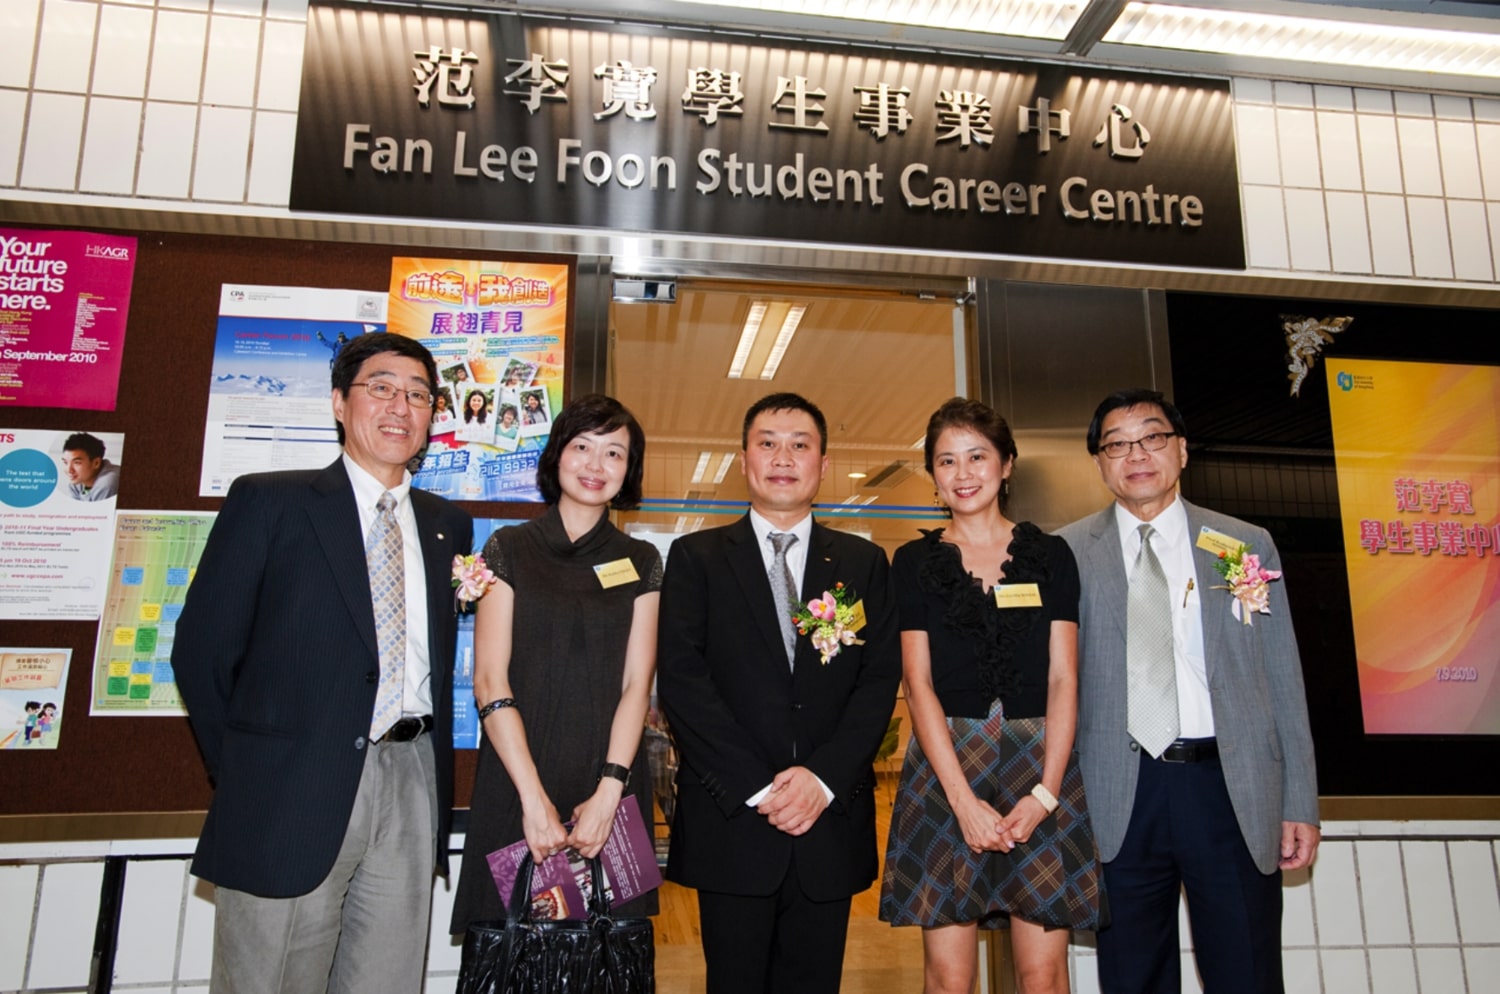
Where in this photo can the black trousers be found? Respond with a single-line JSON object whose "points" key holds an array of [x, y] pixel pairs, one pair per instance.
{"points": [[1183, 835], [782, 943]]}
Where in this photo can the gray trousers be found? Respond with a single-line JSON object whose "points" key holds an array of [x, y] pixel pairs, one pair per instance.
{"points": [[364, 929]]}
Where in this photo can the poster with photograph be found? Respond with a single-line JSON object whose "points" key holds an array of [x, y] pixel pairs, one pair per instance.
{"points": [[268, 406], [498, 331], [155, 556], [64, 298], [57, 512], [32, 682]]}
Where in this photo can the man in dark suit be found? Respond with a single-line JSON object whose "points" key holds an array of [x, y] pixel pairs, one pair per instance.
{"points": [[314, 654], [1199, 771], [775, 817]]}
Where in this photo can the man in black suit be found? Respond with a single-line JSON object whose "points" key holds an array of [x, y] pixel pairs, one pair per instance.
{"points": [[314, 654], [775, 816]]}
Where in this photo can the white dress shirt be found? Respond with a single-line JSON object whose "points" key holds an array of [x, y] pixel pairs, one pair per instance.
{"points": [[1173, 544], [416, 698]]}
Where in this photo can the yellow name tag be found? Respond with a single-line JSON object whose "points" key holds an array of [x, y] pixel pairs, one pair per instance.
{"points": [[1217, 542], [1018, 595], [858, 621], [615, 573]]}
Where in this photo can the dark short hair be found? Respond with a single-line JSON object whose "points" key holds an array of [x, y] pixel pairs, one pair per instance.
{"points": [[785, 402], [594, 414], [352, 357], [1134, 397], [82, 441], [974, 415]]}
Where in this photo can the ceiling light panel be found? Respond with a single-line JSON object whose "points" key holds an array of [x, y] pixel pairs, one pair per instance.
{"points": [[1307, 39], [1020, 18]]}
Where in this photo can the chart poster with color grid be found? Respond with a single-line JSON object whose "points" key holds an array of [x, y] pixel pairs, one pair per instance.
{"points": [[156, 554], [1419, 494], [497, 330]]}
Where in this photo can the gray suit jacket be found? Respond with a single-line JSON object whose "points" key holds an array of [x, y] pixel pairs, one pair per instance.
{"points": [[1254, 680]]}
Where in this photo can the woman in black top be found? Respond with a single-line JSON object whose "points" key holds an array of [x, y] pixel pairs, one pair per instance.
{"points": [[989, 829]]}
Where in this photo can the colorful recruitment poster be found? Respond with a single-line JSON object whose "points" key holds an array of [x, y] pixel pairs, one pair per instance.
{"points": [[498, 331], [32, 682], [64, 298], [268, 405], [1419, 490], [156, 554], [57, 513]]}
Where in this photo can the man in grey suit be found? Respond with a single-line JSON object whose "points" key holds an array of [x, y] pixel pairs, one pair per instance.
{"points": [[1192, 721]]}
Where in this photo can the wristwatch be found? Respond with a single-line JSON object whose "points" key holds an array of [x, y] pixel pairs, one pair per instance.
{"points": [[617, 772]]}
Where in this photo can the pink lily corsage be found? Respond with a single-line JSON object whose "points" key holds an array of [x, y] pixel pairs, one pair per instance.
{"points": [[832, 621], [1248, 582], [471, 580]]}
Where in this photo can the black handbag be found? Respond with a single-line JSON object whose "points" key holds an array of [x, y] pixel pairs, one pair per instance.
{"points": [[600, 955]]}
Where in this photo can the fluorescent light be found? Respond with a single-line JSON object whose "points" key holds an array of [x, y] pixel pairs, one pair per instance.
{"points": [[783, 339], [748, 335], [724, 465], [858, 476], [1024, 18], [702, 467], [754, 351], [1307, 39]]}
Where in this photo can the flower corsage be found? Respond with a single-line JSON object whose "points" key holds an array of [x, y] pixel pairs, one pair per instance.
{"points": [[831, 620], [1248, 582], [471, 580]]}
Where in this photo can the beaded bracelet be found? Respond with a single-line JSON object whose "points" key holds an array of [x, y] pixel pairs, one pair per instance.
{"points": [[496, 705]]}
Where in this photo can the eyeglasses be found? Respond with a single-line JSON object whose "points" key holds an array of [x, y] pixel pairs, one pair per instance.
{"points": [[385, 390], [1154, 442]]}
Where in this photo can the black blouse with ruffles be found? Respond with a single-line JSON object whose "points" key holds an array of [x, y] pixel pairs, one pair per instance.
{"points": [[980, 651]]}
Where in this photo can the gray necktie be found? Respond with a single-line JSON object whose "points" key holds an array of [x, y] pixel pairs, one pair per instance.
{"points": [[784, 590], [1149, 662], [387, 565]]}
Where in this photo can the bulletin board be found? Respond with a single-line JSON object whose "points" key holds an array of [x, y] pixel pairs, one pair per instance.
{"points": [[111, 764]]}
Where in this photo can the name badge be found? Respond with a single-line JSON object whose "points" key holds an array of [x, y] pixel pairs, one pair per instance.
{"points": [[858, 621], [1018, 595], [1217, 542], [615, 573]]}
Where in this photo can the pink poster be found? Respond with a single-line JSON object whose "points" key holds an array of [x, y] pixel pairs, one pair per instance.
{"points": [[64, 298]]}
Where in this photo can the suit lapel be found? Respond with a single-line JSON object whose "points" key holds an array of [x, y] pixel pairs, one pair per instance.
{"points": [[818, 576], [437, 569], [1104, 559], [1213, 612], [749, 568], [335, 520]]}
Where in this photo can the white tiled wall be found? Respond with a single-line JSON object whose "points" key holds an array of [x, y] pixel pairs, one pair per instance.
{"points": [[195, 101], [1389, 908], [1364, 182]]}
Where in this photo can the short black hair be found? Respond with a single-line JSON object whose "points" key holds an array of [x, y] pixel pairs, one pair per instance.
{"points": [[594, 414], [1134, 397], [974, 415], [785, 402], [82, 441], [352, 357]]}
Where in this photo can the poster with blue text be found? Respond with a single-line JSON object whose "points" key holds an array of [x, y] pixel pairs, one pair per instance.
{"points": [[498, 331]]}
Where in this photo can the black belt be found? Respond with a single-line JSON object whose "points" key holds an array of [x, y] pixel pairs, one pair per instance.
{"points": [[407, 729], [1190, 751]]}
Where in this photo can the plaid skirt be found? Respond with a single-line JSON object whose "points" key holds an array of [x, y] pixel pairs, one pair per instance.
{"points": [[933, 878]]}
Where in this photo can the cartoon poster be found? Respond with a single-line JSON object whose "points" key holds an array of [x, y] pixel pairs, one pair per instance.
{"points": [[57, 512], [1419, 495], [64, 298], [156, 555], [498, 332], [32, 682], [268, 406]]}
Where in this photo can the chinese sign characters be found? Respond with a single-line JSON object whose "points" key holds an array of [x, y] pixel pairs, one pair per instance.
{"points": [[1419, 494], [502, 118]]}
